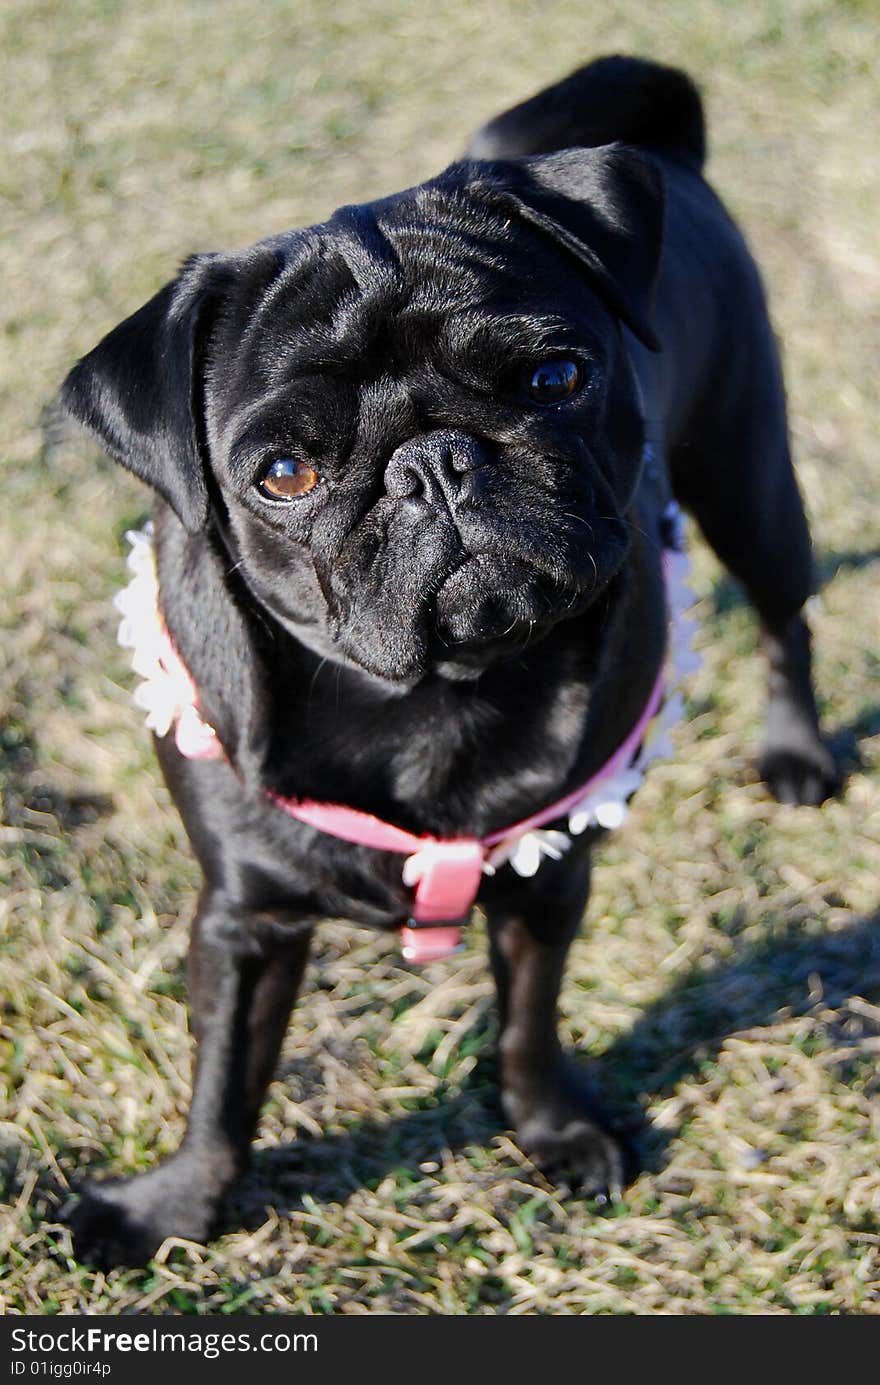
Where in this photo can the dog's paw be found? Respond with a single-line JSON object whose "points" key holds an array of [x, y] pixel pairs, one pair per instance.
{"points": [[576, 1152], [560, 1127], [805, 774], [124, 1221]]}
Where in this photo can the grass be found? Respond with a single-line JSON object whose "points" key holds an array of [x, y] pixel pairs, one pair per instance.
{"points": [[728, 988]]}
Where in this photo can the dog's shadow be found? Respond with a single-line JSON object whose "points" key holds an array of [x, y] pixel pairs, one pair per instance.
{"points": [[793, 974]]}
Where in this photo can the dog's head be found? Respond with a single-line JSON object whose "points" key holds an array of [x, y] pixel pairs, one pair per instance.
{"points": [[417, 425]]}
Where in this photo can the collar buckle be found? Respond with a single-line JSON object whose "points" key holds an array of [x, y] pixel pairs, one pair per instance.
{"points": [[428, 942]]}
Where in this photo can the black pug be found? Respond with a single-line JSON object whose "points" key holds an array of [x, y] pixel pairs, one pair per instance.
{"points": [[409, 552]]}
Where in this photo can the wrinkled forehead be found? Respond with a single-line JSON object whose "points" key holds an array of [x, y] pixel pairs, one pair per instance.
{"points": [[430, 249], [439, 249], [396, 276]]}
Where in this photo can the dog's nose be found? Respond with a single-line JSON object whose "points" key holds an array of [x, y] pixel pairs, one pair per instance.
{"points": [[442, 466]]}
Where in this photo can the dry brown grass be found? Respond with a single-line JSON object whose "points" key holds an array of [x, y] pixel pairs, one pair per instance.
{"points": [[729, 984]]}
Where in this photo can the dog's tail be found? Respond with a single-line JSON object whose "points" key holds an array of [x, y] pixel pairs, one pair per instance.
{"points": [[615, 98]]}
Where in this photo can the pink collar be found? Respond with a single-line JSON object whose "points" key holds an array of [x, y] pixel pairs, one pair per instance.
{"points": [[445, 873]]}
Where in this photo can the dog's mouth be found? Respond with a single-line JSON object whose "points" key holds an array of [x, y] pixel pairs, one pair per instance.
{"points": [[486, 602], [485, 608]]}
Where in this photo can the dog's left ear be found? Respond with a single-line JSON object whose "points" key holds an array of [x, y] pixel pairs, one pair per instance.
{"points": [[137, 390], [605, 206]]}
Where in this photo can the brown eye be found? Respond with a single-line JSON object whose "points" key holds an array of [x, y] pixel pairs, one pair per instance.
{"points": [[554, 381], [287, 479]]}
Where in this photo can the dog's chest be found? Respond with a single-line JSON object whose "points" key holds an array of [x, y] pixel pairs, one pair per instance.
{"points": [[466, 754]]}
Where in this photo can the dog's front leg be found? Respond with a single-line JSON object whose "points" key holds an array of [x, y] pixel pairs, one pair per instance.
{"points": [[245, 970], [531, 926]]}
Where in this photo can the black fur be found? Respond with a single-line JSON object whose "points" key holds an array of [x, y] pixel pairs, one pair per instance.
{"points": [[464, 617]]}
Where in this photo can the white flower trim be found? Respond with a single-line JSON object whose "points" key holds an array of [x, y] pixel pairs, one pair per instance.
{"points": [[166, 692], [140, 630]]}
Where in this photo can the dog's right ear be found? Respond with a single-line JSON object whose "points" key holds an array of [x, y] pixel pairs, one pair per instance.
{"points": [[139, 390]]}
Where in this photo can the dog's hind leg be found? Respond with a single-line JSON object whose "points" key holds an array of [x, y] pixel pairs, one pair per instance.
{"points": [[531, 926], [746, 500], [245, 971]]}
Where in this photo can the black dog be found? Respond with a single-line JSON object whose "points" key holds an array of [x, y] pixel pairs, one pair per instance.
{"points": [[410, 555]]}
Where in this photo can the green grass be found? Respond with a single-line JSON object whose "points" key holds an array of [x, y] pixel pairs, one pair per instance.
{"points": [[728, 987]]}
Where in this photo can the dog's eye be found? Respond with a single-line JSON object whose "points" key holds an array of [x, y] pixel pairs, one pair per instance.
{"points": [[286, 479], [554, 381]]}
